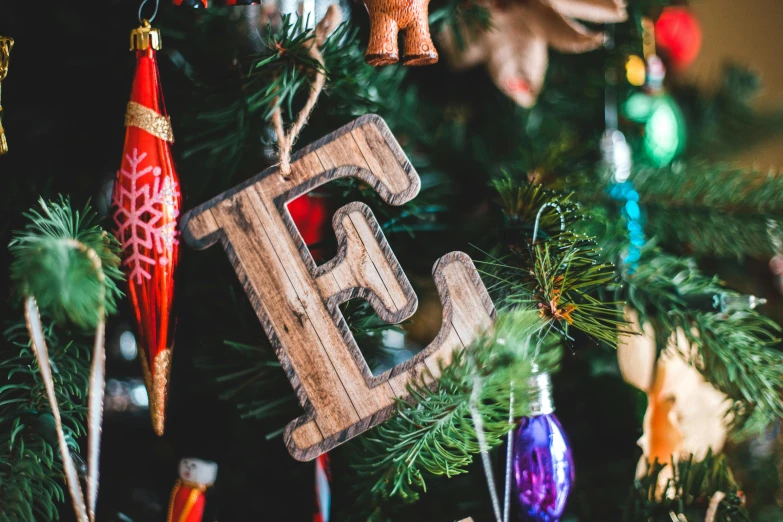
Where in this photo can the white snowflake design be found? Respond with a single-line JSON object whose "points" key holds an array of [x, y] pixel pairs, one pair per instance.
{"points": [[138, 235]]}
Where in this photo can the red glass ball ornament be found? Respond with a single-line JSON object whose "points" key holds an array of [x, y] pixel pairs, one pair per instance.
{"points": [[311, 217], [678, 36]]}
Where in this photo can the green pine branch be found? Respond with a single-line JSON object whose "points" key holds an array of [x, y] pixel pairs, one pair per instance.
{"points": [[230, 110], [354, 88], [251, 377], [435, 434], [31, 475], [559, 278], [711, 209], [52, 263], [698, 208], [418, 215], [688, 493], [735, 349], [559, 275], [522, 201], [275, 79]]}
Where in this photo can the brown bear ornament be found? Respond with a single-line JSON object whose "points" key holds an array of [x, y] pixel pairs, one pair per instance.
{"points": [[388, 18]]}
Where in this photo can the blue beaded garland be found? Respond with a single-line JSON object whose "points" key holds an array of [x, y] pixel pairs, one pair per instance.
{"points": [[634, 218]]}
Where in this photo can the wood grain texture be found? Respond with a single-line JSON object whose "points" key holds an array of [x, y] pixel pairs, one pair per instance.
{"points": [[298, 302]]}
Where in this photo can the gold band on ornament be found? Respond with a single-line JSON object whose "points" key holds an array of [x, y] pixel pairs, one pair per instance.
{"points": [[137, 115], [3, 139], [157, 387], [174, 492], [189, 503]]}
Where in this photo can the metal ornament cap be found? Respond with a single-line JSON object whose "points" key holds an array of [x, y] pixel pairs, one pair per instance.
{"points": [[145, 36], [540, 394]]}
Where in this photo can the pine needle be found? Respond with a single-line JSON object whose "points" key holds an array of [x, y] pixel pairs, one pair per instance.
{"points": [[735, 349], [30, 467], [61, 277], [435, 434], [286, 70], [689, 492], [521, 201], [696, 204], [557, 277], [47, 265]]}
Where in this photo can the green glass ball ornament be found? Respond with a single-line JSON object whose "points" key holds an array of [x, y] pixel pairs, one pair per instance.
{"points": [[665, 132]]}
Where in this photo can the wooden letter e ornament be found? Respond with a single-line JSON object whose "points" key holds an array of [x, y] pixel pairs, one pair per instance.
{"points": [[298, 302]]}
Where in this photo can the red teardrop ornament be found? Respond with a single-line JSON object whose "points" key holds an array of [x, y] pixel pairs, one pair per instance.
{"points": [[147, 202]]}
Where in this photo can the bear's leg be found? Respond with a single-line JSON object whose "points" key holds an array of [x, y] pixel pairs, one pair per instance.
{"points": [[382, 48], [417, 46]]}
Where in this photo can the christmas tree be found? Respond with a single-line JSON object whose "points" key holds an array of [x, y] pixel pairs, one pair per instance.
{"points": [[547, 292]]}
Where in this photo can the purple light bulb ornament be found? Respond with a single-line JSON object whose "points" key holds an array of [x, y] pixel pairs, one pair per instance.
{"points": [[542, 464]]}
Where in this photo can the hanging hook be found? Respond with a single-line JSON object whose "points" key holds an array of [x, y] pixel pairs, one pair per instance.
{"points": [[538, 217], [154, 14]]}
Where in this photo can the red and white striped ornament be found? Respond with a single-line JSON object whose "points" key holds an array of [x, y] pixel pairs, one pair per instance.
{"points": [[323, 489]]}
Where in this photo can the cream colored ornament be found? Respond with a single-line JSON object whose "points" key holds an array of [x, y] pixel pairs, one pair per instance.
{"points": [[515, 47], [198, 471], [636, 353], [685, 414]]}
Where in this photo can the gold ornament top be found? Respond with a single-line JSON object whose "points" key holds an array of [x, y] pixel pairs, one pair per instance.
{"points": [[145, 36], [5, 52], [138, 115], [6, 44]]}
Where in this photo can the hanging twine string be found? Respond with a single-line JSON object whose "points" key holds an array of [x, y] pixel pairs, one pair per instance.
{"points": [[85, 511], [478, 423], [509, 454], [286, 140]]}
